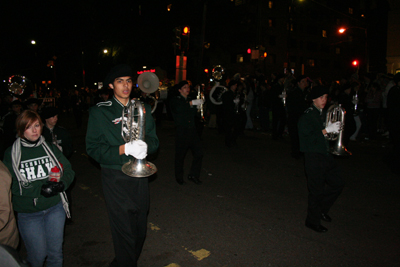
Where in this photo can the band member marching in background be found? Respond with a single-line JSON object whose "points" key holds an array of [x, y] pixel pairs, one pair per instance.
{"points": [[127, 198], [184, 111], [55, 134], [323, 176], [231, 122]]}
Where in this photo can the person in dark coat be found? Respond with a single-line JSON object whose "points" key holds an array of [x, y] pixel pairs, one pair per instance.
{"points": [[393, 106], [323, 175], [184, 111], [345, 99], [278, 107], [55, 134], [232, 123], [296, 105]]}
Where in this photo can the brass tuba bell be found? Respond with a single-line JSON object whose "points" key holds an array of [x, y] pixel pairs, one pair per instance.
{"points": [[148, 83]]}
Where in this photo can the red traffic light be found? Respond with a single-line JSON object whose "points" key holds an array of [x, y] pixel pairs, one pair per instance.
{"points": [[248, 51], [186, 30], [206, 70], [354, 63]]}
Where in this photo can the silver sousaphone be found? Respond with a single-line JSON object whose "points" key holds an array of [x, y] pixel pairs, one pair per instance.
{"points": [[134, 126], [217, 90], [17, 84]]}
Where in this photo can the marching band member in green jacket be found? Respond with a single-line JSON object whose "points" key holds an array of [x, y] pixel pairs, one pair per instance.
{"points": [[127, 198], [323, 176]]}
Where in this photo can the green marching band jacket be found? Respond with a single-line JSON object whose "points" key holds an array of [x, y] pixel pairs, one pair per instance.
{"points": [[36, 165], [182, 112], [103, 137], [63, 138], [310, 126]]}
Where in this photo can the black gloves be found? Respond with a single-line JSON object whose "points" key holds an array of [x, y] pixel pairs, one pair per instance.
{"points": [[51, 189]]}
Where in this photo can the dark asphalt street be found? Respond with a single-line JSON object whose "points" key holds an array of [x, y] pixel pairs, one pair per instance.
{"points": [[249, 211]]}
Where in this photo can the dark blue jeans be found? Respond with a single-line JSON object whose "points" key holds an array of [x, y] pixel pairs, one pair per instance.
{"points": [[43, 235]]}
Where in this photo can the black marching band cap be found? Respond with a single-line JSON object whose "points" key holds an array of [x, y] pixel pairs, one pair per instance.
{"points": [[49, 112], [121, 70], [181, 84], [317, 91]]}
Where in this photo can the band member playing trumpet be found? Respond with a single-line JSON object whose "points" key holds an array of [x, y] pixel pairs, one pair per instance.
{"points": [[127, 198], [323, 176], [184, 110]]}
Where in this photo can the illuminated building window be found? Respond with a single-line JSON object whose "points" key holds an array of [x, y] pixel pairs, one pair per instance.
{"points": [[270, 4], [350, 10], [239, 58], [311, 63], [324, 33]]}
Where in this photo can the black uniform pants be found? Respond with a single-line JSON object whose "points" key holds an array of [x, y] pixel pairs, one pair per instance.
{"points": [[127, 200], [324, 184], [185, 139]]}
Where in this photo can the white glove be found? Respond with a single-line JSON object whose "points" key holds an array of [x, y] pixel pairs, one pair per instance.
{"points": [[197, 102], [236, 101], [137, 149], [334, 127]]}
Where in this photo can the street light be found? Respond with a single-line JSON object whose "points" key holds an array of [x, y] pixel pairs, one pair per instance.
{"points": [[343, 29]]}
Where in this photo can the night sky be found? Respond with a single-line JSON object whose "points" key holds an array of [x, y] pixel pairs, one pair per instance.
{"points": [[138, 33], [135, 32]]}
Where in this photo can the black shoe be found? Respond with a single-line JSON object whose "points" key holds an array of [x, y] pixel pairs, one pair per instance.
{"points": [[316, 228], [180, 181], [325, 217], [194, 179]]}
